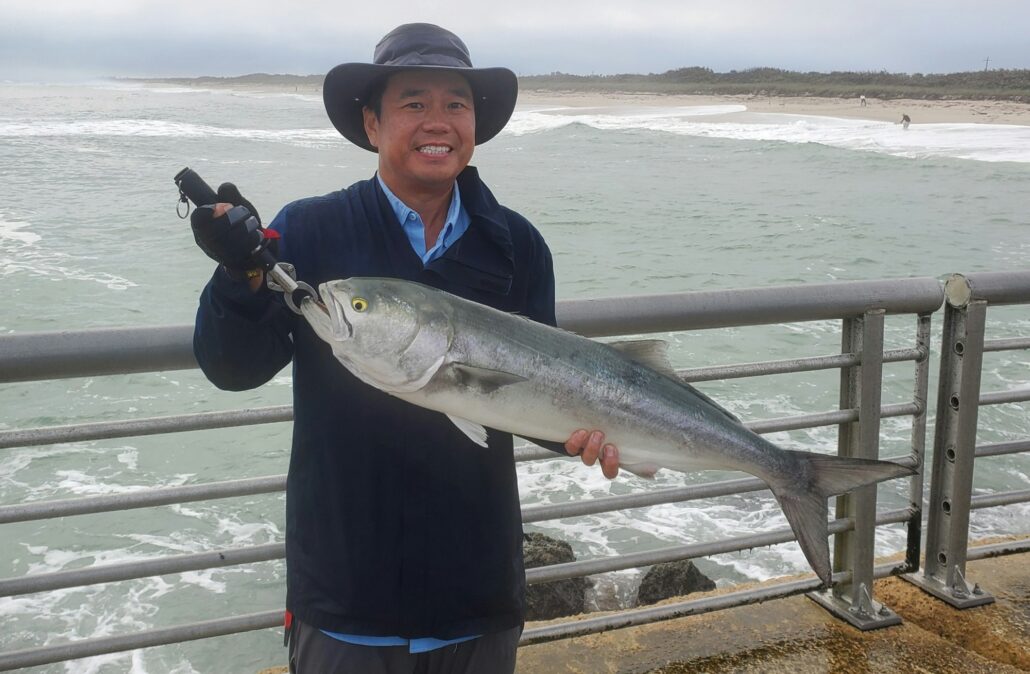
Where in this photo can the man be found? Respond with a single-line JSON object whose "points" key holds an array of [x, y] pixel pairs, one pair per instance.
{"points": [[403, 537]]}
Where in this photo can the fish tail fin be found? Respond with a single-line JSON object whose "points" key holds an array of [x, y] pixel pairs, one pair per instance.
{"points": [[803, 497]]}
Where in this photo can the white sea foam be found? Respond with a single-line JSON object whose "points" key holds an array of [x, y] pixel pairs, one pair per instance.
{"points": [[982, 142], [13, 232], [19, 253], [155, 128]]}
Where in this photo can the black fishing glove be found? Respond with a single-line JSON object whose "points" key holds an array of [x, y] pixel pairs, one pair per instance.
{"points": [[235, 239]]}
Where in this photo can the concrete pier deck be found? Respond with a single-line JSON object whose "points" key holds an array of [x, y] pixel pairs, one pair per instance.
{"points": [[796, 636]]}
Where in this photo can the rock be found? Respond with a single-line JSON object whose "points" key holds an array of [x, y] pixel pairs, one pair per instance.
{"points": [[672, 579], [561, 597]]}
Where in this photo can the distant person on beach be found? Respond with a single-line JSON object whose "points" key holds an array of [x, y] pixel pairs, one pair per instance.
{"points": [[861, 100], [905, 121], [403, 536]]}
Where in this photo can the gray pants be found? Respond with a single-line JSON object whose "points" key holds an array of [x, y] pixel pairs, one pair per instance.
{"points": [[312, 652]]}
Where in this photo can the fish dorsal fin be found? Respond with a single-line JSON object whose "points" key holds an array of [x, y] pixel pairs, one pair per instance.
{"points": [[475, 432], [482, 379], [654, 353]]}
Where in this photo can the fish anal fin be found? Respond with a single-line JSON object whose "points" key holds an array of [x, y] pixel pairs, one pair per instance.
{"points": [[481, 379], [475, 432], [642, 469], [557, 447]]}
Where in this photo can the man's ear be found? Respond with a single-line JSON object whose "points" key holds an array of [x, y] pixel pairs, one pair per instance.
{"points": [[371, 125]]}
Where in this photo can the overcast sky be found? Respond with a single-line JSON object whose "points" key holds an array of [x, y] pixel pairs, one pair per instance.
{"points": [[68, 39]]}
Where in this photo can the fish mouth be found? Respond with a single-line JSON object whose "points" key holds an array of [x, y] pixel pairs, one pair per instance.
{"points": [[341, 328]]}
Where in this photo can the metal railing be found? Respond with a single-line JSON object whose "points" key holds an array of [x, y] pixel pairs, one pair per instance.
{"points": [[861, 306], [959, 400]]}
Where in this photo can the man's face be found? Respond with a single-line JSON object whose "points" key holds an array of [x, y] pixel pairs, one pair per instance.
{"points": [[425, 132]]}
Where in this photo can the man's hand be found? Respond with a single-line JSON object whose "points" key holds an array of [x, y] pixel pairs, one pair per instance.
{"points": [[230, 233], [590, 446]]}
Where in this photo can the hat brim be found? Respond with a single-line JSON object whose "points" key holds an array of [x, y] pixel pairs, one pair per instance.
{"points": [[347, 86]]}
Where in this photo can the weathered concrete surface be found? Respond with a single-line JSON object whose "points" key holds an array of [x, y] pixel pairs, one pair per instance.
{"points": [[795, 635]]}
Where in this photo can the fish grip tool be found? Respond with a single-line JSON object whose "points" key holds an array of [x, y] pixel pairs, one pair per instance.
{"points": [[280, 276]]}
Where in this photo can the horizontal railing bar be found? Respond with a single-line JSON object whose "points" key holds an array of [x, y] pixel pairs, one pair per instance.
{"points": [[34, 356], [1002, 448], [111, 351], [998, 549], [146, 426], [791, 365], [603, 504], [161, 566], [748, 306], [534, 453], [144, 498], [651, 614], [828, 418], [1010, 344], [1018, 395], [999, 287], [999, 499], [546, 574], [84, 648]]}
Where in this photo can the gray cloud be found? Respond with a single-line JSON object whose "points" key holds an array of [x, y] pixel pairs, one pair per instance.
{"points": [[192, 37]]}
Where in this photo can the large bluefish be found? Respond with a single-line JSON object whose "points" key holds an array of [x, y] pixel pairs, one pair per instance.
{"points": [[484, 368]]}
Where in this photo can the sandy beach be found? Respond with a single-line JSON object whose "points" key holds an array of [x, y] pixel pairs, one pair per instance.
{"points": [[920, 111], [924, 111]]}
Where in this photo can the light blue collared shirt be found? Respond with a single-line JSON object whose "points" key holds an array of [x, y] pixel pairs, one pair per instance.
{"points": [[455, 224]]}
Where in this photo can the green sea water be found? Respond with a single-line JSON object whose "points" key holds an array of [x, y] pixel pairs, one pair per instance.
{"points": [[632, 200]]}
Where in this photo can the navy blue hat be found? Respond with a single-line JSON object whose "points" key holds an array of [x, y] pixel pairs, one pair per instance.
{"points": [[416, 46]]}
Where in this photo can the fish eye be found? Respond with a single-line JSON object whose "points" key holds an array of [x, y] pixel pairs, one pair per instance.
{"points": [[359, 304]]}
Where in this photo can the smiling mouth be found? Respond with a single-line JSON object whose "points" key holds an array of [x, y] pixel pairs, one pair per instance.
{"points": [[435, 150]]}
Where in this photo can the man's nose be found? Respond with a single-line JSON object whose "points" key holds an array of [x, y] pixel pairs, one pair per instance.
{"points": [[435, 118]]}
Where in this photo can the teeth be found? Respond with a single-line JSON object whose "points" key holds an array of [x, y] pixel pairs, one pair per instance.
{"points": [[434, 149]]}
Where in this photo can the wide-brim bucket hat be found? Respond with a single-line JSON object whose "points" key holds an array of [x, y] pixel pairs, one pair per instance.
{"points": [[417, 46]]}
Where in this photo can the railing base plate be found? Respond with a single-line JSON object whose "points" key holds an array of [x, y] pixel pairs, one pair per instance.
{"points": [[952, 596], [855, 615]]}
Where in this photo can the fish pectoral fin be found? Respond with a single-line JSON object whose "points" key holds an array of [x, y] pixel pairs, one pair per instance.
{"points": [[643, 469], [654, 353], [475, 432], [481, 379]]}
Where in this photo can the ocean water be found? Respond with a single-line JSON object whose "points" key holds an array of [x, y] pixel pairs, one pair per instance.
{"points": [[632, 200]]}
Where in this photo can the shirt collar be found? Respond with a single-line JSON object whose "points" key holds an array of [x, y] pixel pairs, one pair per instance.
{"points": [[403, 211]]}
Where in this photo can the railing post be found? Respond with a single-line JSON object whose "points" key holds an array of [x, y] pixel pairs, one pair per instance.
{"points": [[920, 396], [860, 386], [954, 450]]}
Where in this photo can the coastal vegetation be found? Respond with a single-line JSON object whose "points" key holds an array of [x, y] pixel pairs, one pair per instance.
{"points": [[983, 85], [1011, 85]]}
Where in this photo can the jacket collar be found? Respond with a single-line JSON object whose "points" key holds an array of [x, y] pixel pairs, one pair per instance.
{"points": [[483, 258]]}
